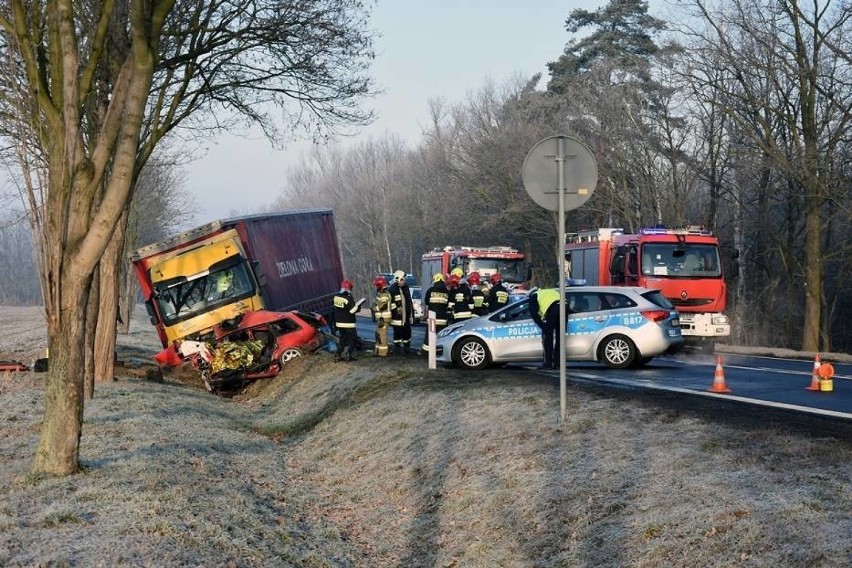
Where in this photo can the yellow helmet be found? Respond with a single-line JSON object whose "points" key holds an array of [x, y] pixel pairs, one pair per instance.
{"points": [[457, 271], [438, 277]]}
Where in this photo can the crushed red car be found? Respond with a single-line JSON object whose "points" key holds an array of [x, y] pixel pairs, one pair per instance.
{"points": [[254, 346]]}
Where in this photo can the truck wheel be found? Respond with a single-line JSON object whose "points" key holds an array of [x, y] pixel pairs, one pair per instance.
{"points": [[471, 353], [617, 352], [289, 354]]}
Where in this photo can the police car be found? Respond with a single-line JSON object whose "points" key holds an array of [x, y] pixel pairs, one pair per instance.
{"points": [[618, 326]]}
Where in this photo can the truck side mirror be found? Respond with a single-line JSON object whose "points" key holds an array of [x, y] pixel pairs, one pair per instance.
{"points": [[258, 273], [152, 314]]}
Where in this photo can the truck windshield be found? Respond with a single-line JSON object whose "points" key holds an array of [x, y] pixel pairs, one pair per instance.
{"points": [[181, 299], [512, 271], [681, 260]]}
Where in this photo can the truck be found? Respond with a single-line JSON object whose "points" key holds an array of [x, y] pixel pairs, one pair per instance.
{"points": [[509, 262], [217, 272], [683, 263]]}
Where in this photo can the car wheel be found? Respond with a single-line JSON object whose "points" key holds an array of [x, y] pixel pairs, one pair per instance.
{"points": [[471, 353], [289, 354], [617, 352]]}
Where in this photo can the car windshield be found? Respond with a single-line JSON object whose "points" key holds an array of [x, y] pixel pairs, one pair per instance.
{"points": [[180, 299], [681, 260], [415, 292], [515, 311]]}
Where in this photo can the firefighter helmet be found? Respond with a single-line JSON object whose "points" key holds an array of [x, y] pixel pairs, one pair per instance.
{"points": [[457, 272], [438, 277], [474, 278], [380, 282], [399, 275], [346, 285], [495, 278], [454, 280]]}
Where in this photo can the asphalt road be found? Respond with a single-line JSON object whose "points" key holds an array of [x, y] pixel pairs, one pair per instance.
{"points": [[776, 382]]}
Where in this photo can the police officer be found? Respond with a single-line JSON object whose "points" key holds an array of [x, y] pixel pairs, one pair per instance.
{"points": [[437, 299], [345, 307], [544, 310], [402, 313], [479, 301], [498, 296], [382, 314]]}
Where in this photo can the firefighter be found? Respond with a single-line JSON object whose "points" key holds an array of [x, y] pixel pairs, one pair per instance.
{"points": [[345, 307], [402, 313], [479, 299], [498, 296], [460, 300], [544, 310], [382, 314], [437, 299]]}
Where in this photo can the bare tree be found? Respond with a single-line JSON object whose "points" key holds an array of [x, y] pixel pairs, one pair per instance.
{"points": [[94, 89], [791, 97]]}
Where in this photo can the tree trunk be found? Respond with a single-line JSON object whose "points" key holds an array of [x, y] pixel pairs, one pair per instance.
{"points": [[59, 445], [104, 348], [813, 274], [91, 322]]}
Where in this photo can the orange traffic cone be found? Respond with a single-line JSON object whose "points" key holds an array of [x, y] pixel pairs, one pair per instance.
{"points": [[814, 375], [719, 378]]}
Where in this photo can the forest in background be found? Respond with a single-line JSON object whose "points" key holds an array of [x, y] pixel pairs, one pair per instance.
{"points": [[737, 119]]}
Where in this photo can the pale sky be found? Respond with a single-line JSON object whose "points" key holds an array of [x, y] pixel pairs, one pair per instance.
{"points": [[427, 49]]}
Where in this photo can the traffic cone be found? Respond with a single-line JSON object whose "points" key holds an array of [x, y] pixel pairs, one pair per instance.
{"points": [[719, 378], [814, 375]]}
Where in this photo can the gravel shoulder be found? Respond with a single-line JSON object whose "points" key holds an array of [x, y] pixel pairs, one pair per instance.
{"points": [[384, 463]]}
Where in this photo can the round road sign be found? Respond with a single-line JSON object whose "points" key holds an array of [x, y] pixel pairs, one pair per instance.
{"points": [[541, 172]]}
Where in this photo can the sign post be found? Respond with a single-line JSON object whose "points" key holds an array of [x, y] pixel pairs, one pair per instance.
{"points": [[433, 338], [560, 174]]}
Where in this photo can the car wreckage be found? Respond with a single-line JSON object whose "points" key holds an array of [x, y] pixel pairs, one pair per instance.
{"points": [[255, 345]]}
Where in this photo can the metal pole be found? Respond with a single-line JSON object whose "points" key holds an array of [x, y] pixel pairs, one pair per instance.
{"points": [[560, 263]]}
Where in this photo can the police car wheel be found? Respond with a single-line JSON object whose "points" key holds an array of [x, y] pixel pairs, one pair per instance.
{"points": [[471, 353], [289, 354], [617, 352]]}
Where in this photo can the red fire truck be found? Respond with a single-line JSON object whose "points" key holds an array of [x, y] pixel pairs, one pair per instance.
{"points": [[509, 262], [683, 263]]}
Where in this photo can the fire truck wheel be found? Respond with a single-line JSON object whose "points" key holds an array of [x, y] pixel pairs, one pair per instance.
{"points": [[471, 353], [617, 352], [289, 354]]}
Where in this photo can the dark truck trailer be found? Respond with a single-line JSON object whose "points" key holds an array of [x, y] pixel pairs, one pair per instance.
{"points": [[215, 272]]}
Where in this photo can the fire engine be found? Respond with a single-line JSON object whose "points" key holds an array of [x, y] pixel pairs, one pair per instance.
{"points": [[683, 263], [509, 262]]}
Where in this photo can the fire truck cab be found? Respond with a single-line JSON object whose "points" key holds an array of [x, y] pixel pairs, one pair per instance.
{"points": [[683, 263], [509, 262]]}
